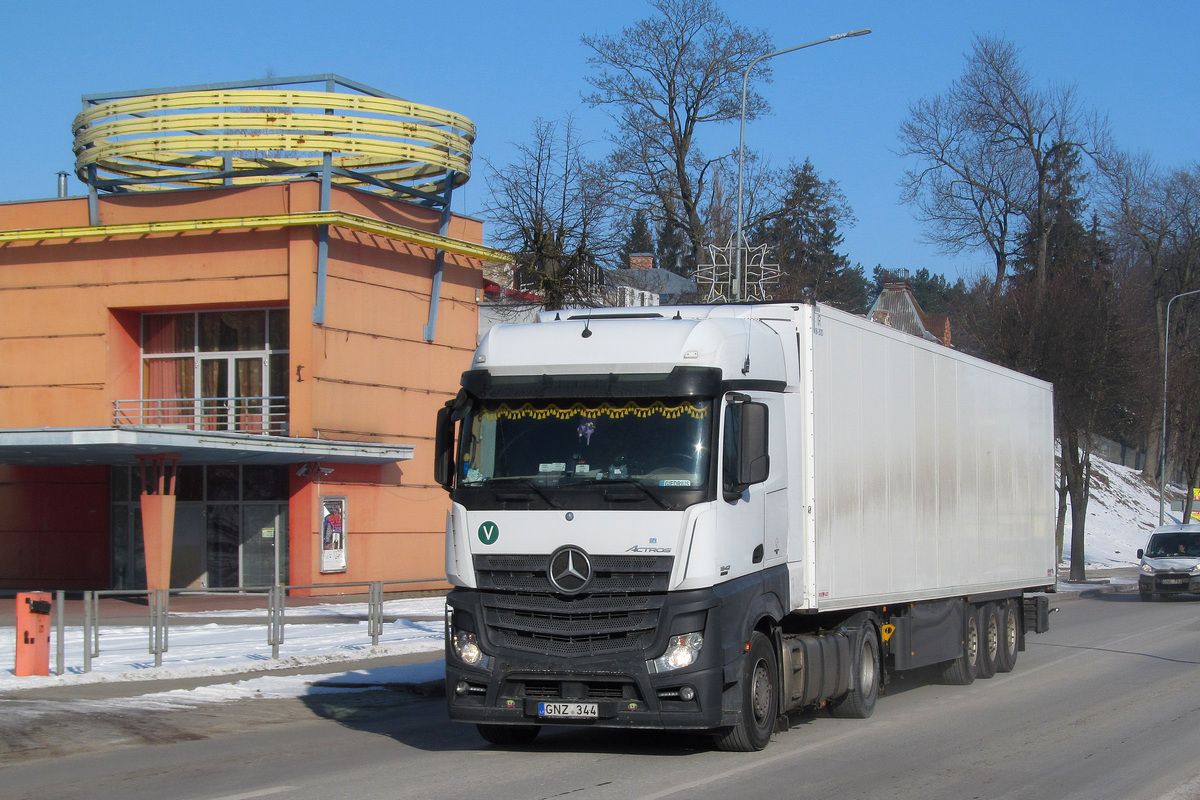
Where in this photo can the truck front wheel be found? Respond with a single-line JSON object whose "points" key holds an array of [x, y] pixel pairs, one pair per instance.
{"points": [[760, 700], [865, 676]]}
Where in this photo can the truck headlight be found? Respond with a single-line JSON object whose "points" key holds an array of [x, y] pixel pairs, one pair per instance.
{"points": [[466, 647], [682, 651]]}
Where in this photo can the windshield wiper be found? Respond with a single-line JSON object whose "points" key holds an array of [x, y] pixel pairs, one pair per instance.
{"points": [[646, 491], [529, 484]]}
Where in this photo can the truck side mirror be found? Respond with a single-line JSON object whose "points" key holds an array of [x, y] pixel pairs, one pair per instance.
{"points": [[443, 448], [746, 458]]}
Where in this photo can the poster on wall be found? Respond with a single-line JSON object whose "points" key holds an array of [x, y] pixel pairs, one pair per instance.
{"points": [[333, 533]]}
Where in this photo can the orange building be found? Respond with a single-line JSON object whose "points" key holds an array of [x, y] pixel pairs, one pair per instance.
{"points": [[235, 346]]}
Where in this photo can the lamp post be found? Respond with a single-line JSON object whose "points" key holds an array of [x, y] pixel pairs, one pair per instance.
{"points": [[1162, 445], [737, 250]]}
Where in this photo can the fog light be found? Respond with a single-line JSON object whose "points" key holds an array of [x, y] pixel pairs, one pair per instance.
{"points": [[461, 688], [682, 651], [687, 694]]}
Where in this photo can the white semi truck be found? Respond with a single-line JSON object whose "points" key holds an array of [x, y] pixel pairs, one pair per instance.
{"points": [[705, 517]]}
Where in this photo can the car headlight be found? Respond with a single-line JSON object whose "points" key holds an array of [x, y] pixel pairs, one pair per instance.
{"points": [[465, 643], [682, 651], [466, 647], [1147, 569]]}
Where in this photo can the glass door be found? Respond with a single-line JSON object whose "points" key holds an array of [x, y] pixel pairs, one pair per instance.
{"points": [[264, 544], [214, 393]]}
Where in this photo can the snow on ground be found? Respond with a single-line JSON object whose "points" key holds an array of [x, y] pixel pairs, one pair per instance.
{"points": [[1121, 513], [239, 650]]}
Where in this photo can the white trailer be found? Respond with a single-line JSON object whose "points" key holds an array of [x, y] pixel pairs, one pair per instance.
{"points": [[704, 517]]}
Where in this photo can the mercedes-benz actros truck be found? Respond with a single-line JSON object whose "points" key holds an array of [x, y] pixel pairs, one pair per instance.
{"points": [[703, 518]]}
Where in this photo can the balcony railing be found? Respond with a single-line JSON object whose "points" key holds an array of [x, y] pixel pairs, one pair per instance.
{"points": [[266, 415]]}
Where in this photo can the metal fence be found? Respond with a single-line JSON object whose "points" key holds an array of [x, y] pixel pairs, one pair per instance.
{"points": [[159, 601], [262, 415]]}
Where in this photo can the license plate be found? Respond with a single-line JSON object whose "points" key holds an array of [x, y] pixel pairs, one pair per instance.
{"points": [[575, 710], [1171, 580]]}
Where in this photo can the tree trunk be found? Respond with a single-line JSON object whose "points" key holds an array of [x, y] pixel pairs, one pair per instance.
{"points": [[1061, 523], [1075, 466], [1189, 500], [1153, 454]]}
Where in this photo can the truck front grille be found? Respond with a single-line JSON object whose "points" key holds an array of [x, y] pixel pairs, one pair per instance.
{"points": [[618, 614]]}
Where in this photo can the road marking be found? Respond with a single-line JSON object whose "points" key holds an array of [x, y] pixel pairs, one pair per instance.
{"points": [[757, 763], [1084, 649], [1186, 791], [259, 793]]}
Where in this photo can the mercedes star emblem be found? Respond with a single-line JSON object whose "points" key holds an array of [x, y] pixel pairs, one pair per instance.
{"points": [[570, 570]]}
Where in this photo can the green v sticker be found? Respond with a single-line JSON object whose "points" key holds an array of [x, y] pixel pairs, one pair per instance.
{"points": [[489, 532]]}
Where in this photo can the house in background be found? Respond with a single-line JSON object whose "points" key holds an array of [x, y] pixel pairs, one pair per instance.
{"points": [[235, 346], [643, 284], [897, 308]]}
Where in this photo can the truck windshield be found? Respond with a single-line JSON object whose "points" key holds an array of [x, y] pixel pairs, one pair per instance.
{"points": [[1174, 545], [660, 443]]}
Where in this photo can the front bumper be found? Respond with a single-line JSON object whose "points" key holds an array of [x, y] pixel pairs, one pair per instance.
{"points": [[513, 693], [626, 693], [1169, 583]]}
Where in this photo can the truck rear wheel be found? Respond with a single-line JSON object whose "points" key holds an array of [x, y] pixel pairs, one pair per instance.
{"points": [[989, 640], [961, 671], [508, 735], [760, 700], [1010, 637], [865, 676]]}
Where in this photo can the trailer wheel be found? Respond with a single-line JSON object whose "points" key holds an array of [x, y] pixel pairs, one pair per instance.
{"points": [[961, 671], [760, 700], [1010, 637], [508, 735], [865, 677], [989, 640]]}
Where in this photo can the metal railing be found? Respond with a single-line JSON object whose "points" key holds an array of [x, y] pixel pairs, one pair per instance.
{"points": [[159, 600], [264, 415]]}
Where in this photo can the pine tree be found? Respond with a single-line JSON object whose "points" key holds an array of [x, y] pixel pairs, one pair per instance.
{"points": [[640, 239], [803, 235]]}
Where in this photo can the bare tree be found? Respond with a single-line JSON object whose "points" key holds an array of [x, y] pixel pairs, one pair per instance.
{"points": [[551, 208], [985, 151], [663, 79], [1155, 218]]}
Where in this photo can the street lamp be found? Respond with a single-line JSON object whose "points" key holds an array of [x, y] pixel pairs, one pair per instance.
{"points": [[737, 255], [1162, 446]]}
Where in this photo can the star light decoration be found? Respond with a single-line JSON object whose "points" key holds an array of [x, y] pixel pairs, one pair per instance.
{"points": [[715, 279]]}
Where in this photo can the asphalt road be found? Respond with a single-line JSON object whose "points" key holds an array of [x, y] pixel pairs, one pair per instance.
{"points": [[1105, 705]]}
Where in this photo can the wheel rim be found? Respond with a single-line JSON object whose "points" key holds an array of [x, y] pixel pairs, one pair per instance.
{"points": [[760, 692], [972, 641], [866, 671], [992, 637], [1010, 632]]}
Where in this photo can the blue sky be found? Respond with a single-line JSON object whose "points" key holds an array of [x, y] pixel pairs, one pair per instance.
{"points": [[506, 64]]}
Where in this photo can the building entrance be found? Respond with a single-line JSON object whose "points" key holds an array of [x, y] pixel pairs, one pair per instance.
{"points": [[231, 527]]}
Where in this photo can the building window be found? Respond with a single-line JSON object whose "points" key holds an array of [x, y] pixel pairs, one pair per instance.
{"points": [[231, 527], [216, 370]]}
